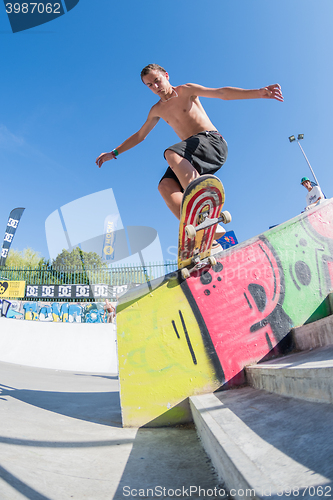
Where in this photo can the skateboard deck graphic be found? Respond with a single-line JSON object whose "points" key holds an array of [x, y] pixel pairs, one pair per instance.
{"points": [[200, 213]]}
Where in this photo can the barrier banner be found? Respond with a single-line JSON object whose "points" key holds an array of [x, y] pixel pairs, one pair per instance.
{"points": [[12, 289], [228, 240], [13, 221], [100, 291], [110, 233]]}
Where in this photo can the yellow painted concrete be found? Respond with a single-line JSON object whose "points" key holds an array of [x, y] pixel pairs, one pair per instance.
{"points": [[156, 368]]}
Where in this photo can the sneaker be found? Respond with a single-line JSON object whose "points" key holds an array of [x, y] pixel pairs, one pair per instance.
{"points": [[219, 232], [216, 248]]}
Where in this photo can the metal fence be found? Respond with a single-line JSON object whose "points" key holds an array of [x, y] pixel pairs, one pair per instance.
{"points": [[113, 275]]}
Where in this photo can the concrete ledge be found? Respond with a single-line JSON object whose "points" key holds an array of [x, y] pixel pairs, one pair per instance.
{"points": [[305, 375], [330, 300], [316, 334], [232, 465], [263, 445], [62, 346]]}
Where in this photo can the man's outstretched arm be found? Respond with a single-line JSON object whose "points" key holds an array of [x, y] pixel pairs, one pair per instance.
{"points": [[132, 141], [234, 93]]}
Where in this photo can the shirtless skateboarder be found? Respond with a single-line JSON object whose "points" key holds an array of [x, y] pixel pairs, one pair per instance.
{"points": [[202, 149]]}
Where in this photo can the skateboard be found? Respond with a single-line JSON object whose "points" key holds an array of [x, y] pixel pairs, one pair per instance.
{"points": [[200, 213]]}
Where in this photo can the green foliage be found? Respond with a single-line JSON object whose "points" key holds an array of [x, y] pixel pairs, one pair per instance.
{"points": [[77, 259], [76, 267], [25, 258]]}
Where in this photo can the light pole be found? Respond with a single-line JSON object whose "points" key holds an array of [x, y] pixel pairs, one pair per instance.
{"points": [[292, 138]]}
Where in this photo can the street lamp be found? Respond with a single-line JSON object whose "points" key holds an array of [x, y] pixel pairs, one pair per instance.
{"points": [[292, 138]]}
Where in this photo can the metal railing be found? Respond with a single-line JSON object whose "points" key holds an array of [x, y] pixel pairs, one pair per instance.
{"points": [[115, 275]]}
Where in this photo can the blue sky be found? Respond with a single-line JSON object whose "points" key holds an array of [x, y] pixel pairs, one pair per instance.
{"points": [[71, 89]]}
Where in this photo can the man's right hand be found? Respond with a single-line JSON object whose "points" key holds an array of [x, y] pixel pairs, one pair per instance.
{"points": [[104, 157]]}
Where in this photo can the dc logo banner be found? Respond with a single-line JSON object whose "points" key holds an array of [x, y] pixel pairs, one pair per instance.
{"points": [[13, 222], [24, 15]]}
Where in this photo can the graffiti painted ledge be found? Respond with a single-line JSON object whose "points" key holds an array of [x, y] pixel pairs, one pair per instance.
{"points": [[181, 338]]}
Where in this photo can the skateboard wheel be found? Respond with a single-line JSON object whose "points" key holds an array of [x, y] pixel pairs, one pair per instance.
{"points": [[226, 217], [212, 261], [185, 273], [190, 231]]}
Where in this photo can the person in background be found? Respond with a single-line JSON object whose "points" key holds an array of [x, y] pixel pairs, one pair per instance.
{"points": [[110, 310], [314, 195]]}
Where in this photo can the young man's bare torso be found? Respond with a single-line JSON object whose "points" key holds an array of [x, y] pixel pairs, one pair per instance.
{"points": [[181, 108], [183, 111]]}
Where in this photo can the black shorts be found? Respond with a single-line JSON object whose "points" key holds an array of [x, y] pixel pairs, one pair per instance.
{"points": [[206, 151]]}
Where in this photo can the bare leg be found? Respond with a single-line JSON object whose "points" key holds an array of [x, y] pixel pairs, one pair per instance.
{"points": [[182, 168], [169, 188], [172, 195]]}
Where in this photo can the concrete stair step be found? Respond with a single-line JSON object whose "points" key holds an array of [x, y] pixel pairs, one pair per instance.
{"points": [[305, 375], [265, 445], [316, 334]]}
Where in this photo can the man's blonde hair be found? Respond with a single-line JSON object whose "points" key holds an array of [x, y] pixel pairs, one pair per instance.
{"points": [[151, 67]]}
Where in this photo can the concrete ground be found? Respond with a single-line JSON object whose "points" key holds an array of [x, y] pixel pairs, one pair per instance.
{"points": [[61, 438]]}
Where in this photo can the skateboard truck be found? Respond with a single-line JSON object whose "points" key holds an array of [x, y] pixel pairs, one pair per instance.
{"points": [[191, 232], [198, 264]]}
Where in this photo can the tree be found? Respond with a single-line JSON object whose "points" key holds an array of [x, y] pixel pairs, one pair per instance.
{"points": [[78, 259], [24, 258]]}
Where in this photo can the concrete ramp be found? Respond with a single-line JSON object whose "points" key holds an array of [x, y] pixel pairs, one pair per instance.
{"points": [[181, 338], [84, 347]]}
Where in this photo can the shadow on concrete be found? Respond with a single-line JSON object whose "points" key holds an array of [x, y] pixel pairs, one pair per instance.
{"points": [[108, 377], [97, 407], [180, 413], [23, 488], [167, 459], [63, 444], [322, 311], [20, 486]]}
